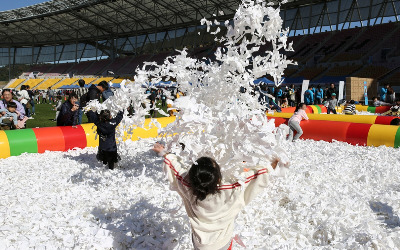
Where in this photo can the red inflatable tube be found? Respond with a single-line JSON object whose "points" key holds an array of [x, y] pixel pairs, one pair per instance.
{"points": [[279, 121], [323, 130], [357, 134], [323, 109], [74, 137], [385, 120], [51, 139], [382, 109], [309, 110], [288, 110]]}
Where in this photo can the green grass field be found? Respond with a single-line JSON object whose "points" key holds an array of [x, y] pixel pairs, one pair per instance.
{"points": [[45, 113]]}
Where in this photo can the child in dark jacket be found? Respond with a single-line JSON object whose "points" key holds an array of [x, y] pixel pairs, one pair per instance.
{"points": [[106, 130]]}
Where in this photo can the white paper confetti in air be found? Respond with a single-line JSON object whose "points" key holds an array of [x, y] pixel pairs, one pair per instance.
{"points": [[214, 118]]}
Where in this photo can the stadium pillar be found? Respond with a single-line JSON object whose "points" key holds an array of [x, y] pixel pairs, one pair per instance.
{"points": [[9, 64]]}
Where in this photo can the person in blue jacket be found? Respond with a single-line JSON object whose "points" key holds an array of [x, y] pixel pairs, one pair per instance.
{"points": [[106, 125], [383, 93], [319, 95], [278, 95], [69, 112], [309, 96]]}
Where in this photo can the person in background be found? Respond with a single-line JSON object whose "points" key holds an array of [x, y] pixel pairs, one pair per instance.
{"points": [[7, 98], [68, 115], [95, 92], [107, 151], [107, 93], [350, 108], [163, 99], [391, 95], [309, 96], [330, 91], [332, 104], [394, 110], [377, 103], [152, 97], [295, 120], [319, 95], [292, 95], [278, 95], [32, 100], [57, 108], [44, 96], [284, 102], [81, 96], [37, 96], [383, 92], [50, 95], [9, 117], [24, 99]]}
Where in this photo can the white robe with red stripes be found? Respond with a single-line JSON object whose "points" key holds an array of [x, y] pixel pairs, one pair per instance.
{"points": [[212, 219]]}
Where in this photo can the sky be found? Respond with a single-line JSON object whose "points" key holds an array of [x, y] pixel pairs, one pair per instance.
{"points": [[13, 4]]}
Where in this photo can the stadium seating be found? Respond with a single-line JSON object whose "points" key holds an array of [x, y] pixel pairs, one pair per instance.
{"points": [[61, 68], [33, 82], [372, 71], [118, 64], [97, 68], [365, 42], [65, 82], [339, 40], [310, 73], [343, 70], [107, 79], [307, 46], [15, 83], [47, 83], [80, 67]]}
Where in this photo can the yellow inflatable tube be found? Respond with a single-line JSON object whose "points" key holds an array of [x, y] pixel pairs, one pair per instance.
{"points": [[368, 119]]}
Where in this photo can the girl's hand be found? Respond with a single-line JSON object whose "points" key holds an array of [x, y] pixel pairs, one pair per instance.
{"points": [[158, 148], [274, 163]]}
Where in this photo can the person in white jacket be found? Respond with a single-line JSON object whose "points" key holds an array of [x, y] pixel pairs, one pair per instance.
{"points": [[24, 99], [212, 206]]}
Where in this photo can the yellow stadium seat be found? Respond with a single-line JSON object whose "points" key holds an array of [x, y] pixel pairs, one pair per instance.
{"points": [[107, 79], [16, 83], [48, 83], [66, 81], [33, 82]]}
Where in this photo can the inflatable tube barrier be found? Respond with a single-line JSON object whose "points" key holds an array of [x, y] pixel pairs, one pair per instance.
{"points": [[366, 119], [375, 110], [39, 140], [353, 133], [311, 109]]}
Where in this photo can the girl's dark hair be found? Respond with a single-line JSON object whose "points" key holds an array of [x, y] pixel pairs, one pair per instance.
{"points": [[299, 106], [352, 102], [204, 177], [105, 115], [23, 87], [12, 105]]}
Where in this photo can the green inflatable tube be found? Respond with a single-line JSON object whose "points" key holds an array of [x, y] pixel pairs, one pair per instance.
{"points": [[22, 141]]}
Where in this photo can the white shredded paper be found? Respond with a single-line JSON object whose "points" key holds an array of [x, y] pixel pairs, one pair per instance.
{"points": [[335, 196]]}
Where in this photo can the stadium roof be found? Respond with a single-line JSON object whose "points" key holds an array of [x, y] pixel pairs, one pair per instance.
{"points": [[71, 21]]}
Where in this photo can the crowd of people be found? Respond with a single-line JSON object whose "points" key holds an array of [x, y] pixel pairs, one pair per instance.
{"points": [[276, 98], [71, 112]]}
